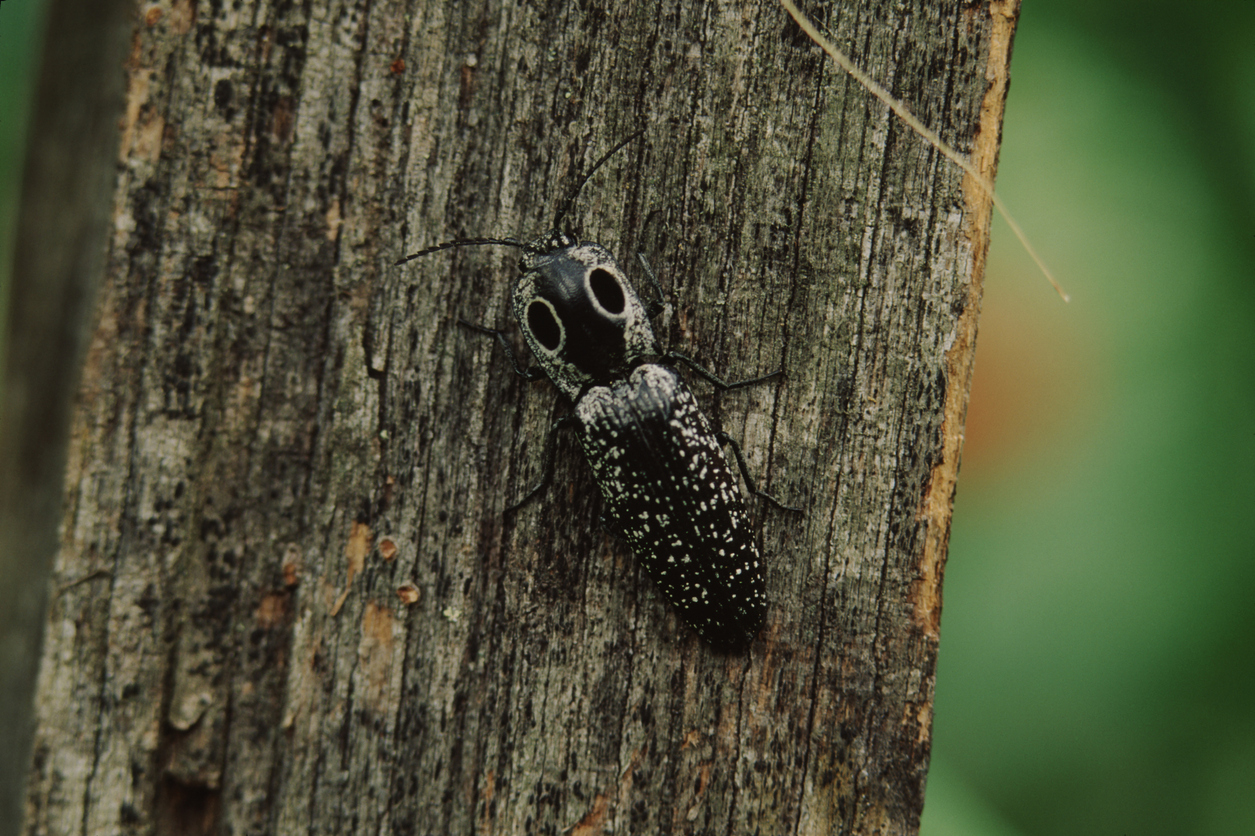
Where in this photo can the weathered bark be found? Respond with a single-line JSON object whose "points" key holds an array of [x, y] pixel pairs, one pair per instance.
{"points": [[278, 430]]}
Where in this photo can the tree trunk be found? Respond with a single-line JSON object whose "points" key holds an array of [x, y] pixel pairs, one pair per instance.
{"points": [[286, 598]]}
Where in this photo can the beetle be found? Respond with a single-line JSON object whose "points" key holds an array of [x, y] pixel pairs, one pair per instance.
{"points": [[667, 485]]}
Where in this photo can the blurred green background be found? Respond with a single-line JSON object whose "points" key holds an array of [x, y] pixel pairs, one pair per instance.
{"points": [[1097, 643], [1098, 635], [21, 31]]}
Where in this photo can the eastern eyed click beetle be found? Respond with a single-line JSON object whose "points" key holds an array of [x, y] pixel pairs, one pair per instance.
{"points": [[667, 485]]}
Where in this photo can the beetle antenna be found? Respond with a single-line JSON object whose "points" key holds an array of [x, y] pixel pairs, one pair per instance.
{"points": [[460, 242], [563, 208], [566, 204]]}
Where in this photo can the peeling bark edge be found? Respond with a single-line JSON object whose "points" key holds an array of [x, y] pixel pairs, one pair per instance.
{"points": [[939, 498]]}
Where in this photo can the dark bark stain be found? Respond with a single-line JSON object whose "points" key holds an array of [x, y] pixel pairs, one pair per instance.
{"points": [[185, 810]]}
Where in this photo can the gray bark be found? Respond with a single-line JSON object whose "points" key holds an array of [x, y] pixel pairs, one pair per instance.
{"points": [[286, 599]]}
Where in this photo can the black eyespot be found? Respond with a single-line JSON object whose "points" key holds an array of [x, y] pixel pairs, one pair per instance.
{"points": [[607, 291], [544, 327]]}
